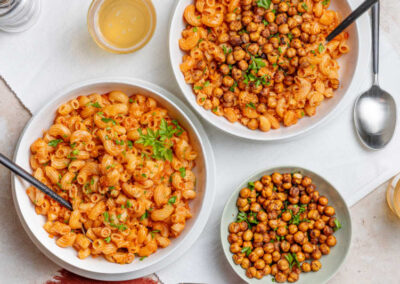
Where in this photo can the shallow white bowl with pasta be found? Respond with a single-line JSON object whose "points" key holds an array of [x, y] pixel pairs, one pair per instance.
{"points": [[351, 64], [99, 268]]}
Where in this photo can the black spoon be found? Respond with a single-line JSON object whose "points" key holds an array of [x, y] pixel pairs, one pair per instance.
{"points": [[29, 178], [351, 18]]}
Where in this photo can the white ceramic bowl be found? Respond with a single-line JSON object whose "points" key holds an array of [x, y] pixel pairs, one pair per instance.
{"points": [[99, 268], [349, 65], [331, 262]]}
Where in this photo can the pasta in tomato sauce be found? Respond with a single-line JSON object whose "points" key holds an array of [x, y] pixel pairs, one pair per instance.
{"points": [[261, 63], [126, 167]]}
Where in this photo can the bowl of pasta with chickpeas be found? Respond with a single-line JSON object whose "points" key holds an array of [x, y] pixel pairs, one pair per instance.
{"points": [[286, 224], [136, 166], [261, 69]]}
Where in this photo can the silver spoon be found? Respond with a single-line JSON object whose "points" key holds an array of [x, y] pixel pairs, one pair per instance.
{"points": [[375, 110]]}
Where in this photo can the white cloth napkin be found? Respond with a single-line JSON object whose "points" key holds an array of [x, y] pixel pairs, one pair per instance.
{"points": [[58, 51]]}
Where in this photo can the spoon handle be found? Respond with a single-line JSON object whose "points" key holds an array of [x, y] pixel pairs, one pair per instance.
{"points": [[26, 176], [375, 41], [350, 19]]}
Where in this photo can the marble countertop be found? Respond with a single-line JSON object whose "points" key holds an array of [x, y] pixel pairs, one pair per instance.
{"points": [[374, 249]]}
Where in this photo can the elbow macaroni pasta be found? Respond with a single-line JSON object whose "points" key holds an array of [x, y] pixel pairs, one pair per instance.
{"points": [[125, 166], [261, 63]]}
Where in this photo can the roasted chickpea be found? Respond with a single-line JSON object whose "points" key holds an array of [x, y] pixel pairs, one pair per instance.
{"points": [[277, 178], [331, 241], [245, 263], [299, 237], [325, 249], [300, 256], [235, 248], [251, 272], [238, 258], [286, 216], [315, 265], [283, 264], [294, 248], [329, 211], [323, 200], [259, 264], [234, 227], [305, 199], [292, 229], [319, 224], [269, 248], [276, 256], [280, 277], [285, 246], [253, 256], [281, 231], [307, 247], [316, 254], [327, 231], [305, 267], [293, 277], [247, 235], [267, 270]]}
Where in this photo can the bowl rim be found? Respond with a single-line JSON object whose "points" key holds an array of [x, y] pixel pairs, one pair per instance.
{"points": [[359, 67], [204, 211], [277, 168]]}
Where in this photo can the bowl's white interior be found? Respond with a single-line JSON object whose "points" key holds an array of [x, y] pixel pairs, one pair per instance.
{"points": [[199, 206], [330, 262], [348, 64]]}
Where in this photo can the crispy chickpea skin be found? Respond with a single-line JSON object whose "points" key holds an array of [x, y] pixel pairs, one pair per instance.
{"points": [[306, 267]]}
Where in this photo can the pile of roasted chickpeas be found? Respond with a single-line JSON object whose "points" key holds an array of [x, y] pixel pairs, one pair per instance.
{"points": [[283, 227]]}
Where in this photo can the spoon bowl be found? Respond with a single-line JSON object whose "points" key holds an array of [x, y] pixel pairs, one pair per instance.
{"points": [[375, 117], [375, 110]]}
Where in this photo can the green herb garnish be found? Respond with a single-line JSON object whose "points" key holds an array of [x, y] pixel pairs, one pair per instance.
{"points": [[246, 250], [264, 3], [183, 172], [172, 200], [54, 143]]}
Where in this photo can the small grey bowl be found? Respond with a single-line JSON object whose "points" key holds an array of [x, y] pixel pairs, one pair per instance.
{"points": [[331, 262]]}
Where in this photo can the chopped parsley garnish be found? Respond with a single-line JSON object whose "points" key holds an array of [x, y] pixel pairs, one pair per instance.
{"points": [[337, 225], [198, 87], [290, 36], [54, 143], [157, 139], [172, 200], [264, 3], [195, 29], [119, 142], [106, 216], [131, 100], [265, 22], [304, 5], [292, 259], [130, 144], [128, 204], [143, 257], [325, 2], [107, 240], [321, 48], [251, 105], [232, 88], [96, 105], [144, 216], [107, 120], [226, 51], [183, 172], [246, 250], [152, 233], [250, 185]]}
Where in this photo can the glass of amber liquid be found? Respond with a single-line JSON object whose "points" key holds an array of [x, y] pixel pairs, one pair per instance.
{"points": [[121, 26]]}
